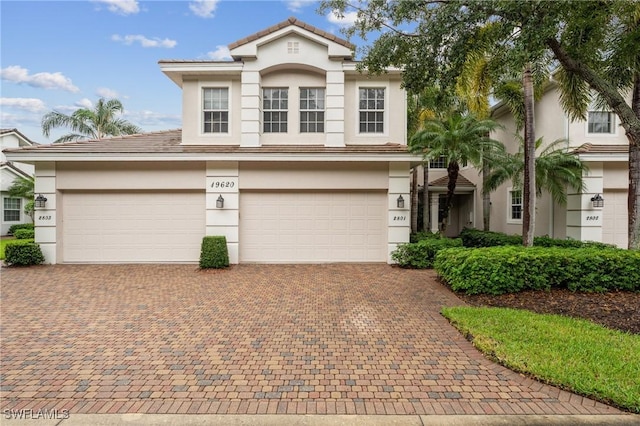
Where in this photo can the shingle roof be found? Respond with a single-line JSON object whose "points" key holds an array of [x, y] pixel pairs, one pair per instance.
{"points": [[460, 182], [168, 141], [16, 131], [589, 148], [286, 23]]}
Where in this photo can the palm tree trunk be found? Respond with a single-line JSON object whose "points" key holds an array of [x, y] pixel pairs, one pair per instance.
{"points": [[414, 200], [633, 198], [452, 172], [425, 197], [486, 197], [529, 190]]}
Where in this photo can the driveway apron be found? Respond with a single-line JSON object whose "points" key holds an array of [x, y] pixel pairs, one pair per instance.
{"points": [[252, 339]]}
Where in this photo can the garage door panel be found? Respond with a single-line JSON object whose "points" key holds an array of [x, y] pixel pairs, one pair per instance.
{"points": [[313, 227], [133, 227], [615, 218]]}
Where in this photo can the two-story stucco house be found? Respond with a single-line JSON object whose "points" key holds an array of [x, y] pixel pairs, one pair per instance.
{"points": [[12, 207], [601, 143], [288, 151]]}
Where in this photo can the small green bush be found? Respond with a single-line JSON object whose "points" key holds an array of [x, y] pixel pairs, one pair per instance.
{"points": [[23, 253], [419, 236], [477, 238], [214, 252], [420, 255], [498, 270], [14, 228], [24, 234]]}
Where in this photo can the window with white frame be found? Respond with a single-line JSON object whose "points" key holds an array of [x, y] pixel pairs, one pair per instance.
{"points": [[601, 122], [371, 109], [275, 103], [438, 163], [311, 110], [515, 205], [12, 209], [215, 109]]}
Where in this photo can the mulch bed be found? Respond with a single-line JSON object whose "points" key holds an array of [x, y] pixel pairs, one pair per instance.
{"points": [[619, 310]]}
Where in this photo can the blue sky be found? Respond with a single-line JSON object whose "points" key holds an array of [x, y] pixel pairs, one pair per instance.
{"points": [[62, 55]]}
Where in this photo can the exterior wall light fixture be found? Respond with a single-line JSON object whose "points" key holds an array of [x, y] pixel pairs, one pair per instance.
{"points": [[400, 202], [220, 202], [40, 201], [597, 201]]}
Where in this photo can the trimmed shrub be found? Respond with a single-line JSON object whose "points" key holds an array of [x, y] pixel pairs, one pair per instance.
{"points": [[478, 238], [498, 270], [419, 236], [23, 253], [14, 228], [214, 252], [24, 234], [420, 255]]}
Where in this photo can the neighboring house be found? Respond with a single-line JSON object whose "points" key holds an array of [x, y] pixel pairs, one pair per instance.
{"points": [[601, 143], [287, 150], [12, 207]]}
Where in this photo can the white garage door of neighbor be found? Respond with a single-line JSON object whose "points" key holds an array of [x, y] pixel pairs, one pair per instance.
{"points": [[614, 216], [133, 226], [309, 227]]}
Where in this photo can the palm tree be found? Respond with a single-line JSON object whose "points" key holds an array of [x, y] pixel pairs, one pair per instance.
{"points": [[23, 187], [459, 139], [556, 169], [93, 123]]}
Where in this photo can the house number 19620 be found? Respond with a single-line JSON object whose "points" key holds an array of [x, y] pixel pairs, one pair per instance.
{"points": [[223, 184]]}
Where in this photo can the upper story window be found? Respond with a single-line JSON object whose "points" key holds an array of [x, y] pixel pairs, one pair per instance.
{"points": [[312, 110], [601, 122], [275, 103], [371, 109], [12, 209], [215, 110], [438, 163], [293, 47]]}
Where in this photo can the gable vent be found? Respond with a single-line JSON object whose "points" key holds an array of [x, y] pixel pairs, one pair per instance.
{"points": [[293, 47]]}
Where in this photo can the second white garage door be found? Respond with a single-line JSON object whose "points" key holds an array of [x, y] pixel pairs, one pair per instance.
{"points": [[288, 227], [133, 226]]}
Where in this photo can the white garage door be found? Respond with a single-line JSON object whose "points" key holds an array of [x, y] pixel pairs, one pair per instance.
{"points": [[615, 224], [313, 227], [133, 226]]}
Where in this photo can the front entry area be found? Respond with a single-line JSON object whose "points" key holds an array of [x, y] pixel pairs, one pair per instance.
{"points": [[315, 226]]}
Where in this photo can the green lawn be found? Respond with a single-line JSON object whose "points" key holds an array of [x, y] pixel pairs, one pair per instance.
{"points": [[573, 354], [3, 244]]}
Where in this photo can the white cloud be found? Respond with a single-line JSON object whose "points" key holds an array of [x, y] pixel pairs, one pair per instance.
{"points": [[84, 103], [27, 104], [346, 20], [107, 93], [122, 7], [220, 54], [203, 8], [149, 119], [297, 5], [144, 41], [44, 80]]}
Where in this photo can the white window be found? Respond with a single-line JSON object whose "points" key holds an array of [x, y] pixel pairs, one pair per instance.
{"points": [[371, 109], [312, 110], [438, 163], [12, 209], [515, 205], [215, 110], [601, 122], [275, 103], [293, 47]]}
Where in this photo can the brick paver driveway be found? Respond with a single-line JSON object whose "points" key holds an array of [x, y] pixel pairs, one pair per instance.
{"points": [[351, 339]]}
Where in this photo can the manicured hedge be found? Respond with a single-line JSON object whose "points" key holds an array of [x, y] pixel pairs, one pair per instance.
{"points": [[420, 255], [14, 228], [498, 270], [24, 234], [478, 238], [214, 252], [419, 236], [23, 253]]}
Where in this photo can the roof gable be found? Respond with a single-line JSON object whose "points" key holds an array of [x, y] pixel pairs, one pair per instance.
{"points": [[248, 46], [22, 139]]}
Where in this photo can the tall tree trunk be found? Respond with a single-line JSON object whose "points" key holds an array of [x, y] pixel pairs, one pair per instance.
{"points": [[452, 172], [426, 214], [529, 189], [414, 200], [633, 198], [486, 197]]}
